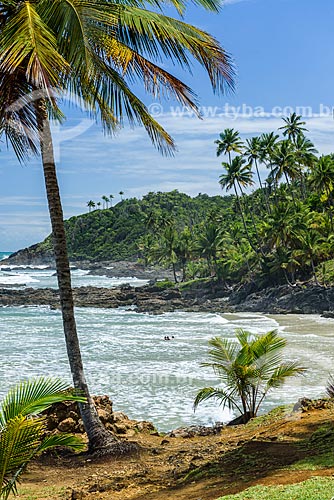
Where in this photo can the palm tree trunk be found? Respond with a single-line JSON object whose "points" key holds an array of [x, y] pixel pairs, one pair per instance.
{"points": [[98, 436], [264, 196], [290, 188], [174, 272], [243, 219]]}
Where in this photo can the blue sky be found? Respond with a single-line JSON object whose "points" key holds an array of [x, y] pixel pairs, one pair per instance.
{"points": [[283, 50]]}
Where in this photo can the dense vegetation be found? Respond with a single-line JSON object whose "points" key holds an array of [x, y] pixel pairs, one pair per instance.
{"points": [[280, 233], [121, 232]]}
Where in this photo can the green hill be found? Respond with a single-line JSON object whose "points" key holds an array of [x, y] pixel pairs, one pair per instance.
{"points": [[114, 233]]}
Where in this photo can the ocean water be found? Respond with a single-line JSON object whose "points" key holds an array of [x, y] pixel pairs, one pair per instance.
{"points": [[4, 255], [14, 276], [125, 356]]}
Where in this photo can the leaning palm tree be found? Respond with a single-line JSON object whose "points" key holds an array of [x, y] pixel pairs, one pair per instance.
{"points": [[248, 367], [93, 49], [229, 141], [22, 428]]}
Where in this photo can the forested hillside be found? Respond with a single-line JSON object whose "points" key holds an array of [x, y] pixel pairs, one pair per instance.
{"points": [[117, 233]]}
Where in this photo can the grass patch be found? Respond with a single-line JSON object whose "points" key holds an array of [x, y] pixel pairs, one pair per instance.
{"points": [[28, 493], [272, 416], [318, 488], [164, 284], [191, 283], [314, 462]]}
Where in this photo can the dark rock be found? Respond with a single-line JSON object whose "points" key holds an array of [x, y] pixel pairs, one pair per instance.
{"points": [[241, 420], [328, 314]]}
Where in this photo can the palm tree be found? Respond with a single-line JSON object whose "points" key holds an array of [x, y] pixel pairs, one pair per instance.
{"points": [[321, 176], [98, 204], [111, 197], [105, 201], [283, 161], [90, 205], [268, 144], [121, 194], [166, 249], [209, 243], [252, 153], [305, 151], [22, 428], [248, 368], [311, 243], [237, 175], [91, 50], [229, 141], [293, 127]]}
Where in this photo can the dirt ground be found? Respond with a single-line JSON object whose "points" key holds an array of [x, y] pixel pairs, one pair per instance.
{"points": [[197, 468]]}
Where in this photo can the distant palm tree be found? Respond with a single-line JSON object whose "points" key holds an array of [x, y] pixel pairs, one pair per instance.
{"points": [[23, 429], [105, 201], [209, 243], [321, 176], [284, 163], [229, 141], [249, 367], [98, 204], [121, 194], [293, 127], [252, 153], [237, 175], [111, 197], [268, 144], [90, 204]]}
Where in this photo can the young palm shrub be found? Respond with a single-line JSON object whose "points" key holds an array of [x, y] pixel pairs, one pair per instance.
{"points": [[248, 369], [22, 428]]}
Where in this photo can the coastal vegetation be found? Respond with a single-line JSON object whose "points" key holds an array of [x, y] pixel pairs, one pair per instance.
{"points": [[23, 429], [50, 49], [248, 367]]}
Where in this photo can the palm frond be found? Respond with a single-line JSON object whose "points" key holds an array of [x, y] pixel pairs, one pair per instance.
{"points": [[282, 372], [22, 433], [224, 397], [31, 397], [154, 34], [26, 38], [223, 350]]}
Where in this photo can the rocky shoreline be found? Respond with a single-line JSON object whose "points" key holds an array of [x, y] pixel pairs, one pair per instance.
{"points": [[200, 297]]}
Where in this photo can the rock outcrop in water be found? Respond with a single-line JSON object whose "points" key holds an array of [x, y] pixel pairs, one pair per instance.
{"points": [[207, 297]]}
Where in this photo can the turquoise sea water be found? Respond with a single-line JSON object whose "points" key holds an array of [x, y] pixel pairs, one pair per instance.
{"points": [[4, 255]]}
